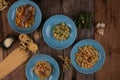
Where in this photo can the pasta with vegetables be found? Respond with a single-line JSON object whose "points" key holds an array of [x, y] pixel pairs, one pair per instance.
{"points": [[61, 32]]}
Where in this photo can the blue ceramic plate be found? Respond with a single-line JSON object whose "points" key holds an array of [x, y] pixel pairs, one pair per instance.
{"points": [[31, 63], [12, 14], [99, 63], [48, 29]]}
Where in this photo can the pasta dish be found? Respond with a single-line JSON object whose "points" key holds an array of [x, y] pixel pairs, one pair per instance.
{"points": [[42, 69], [25, 15], [86, 56]]}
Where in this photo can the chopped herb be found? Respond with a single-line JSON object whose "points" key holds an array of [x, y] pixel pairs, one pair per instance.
{"points": [[83, 20]]}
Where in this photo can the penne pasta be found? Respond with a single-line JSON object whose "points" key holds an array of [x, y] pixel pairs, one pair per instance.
{"points": [[86, 56]]}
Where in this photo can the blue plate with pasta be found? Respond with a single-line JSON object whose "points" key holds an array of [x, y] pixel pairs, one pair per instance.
{"points": [[30, 74], [29, 23], [48, 27], [77, 61]]}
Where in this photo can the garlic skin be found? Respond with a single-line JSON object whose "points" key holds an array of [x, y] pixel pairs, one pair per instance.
{"points": [[102, 25], [8, 42], [98, 25], [100, 28], [37, 35], [100, 31]]}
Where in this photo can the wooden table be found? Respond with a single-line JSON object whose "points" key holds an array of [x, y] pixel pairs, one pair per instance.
{"points": [[107, 11]]}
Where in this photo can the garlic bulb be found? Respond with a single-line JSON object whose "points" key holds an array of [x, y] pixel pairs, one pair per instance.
{"points": [[100, 31], [100, 28], [100, 25], [37, 35]]}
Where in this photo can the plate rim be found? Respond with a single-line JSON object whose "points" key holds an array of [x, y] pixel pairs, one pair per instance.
{"points": [[26, 30], [80, 69], [43, 29], [38, 55]]}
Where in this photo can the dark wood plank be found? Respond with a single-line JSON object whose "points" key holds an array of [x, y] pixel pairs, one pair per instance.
{"points": [[107, 11], [71, 8], [50, 8], [19, 73], [100, 15], [5, 31], [1, 54], [1, 34], [86, 33]]}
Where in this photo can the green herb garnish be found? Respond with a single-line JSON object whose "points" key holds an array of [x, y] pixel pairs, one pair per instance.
{"points": [[83, 20]]}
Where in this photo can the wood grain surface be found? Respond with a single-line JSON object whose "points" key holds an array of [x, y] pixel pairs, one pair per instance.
{"points": [[107, 11]]}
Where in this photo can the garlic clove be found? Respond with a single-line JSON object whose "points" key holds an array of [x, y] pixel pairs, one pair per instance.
{"points": [[102, 25], [100, 31], [37, 35], [98, 25]]}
